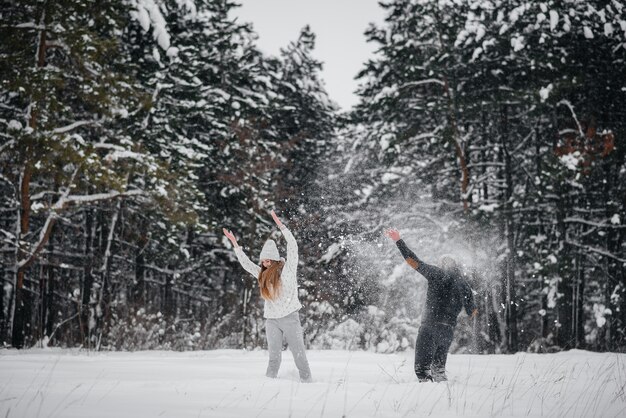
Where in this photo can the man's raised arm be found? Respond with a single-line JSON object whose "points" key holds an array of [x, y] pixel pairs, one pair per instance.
{"points": [[426, 270]]}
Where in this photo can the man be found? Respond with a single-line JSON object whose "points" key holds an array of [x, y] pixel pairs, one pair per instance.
{"points": [[447, 294]]}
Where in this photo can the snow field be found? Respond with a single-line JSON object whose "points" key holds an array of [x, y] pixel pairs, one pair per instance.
{"points": [[231, 383]]}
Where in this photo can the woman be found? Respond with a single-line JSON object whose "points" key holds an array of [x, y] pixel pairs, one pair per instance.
{"points": [[278, 284]]}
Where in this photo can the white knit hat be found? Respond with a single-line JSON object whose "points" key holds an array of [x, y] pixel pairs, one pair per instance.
{"points": [[269, 251]]}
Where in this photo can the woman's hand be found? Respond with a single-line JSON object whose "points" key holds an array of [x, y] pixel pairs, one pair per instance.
{"points": [[278, 222], [231, 237], [393, 234]]}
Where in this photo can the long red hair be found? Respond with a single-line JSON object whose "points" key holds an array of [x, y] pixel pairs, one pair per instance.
{"points": [[269, 280]]}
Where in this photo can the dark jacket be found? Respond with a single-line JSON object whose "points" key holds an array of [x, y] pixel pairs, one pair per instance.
{"points": [[447, 294]]}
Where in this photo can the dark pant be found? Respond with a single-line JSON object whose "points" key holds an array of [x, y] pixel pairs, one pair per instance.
{"points": [[431, 351]]}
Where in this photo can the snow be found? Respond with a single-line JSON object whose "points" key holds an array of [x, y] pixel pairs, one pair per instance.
{"points": [[231, 383], [333, 251], [172, 52], [599, 310], [37, 206], [541, 17], [385, 141], [480, 32], [124, 154], [477, 53], [570, 160], [615, 219], [386, 92], [148, 14], [588, 33], [539, 238], [189, 6], [554, 19], [156, 55], [517, 43], [489, 207], [544, 92], [552, 292], [14, 125], [389, 177]]}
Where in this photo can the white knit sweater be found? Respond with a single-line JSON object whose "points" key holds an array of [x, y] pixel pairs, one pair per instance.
{"points": [[287, 300]]}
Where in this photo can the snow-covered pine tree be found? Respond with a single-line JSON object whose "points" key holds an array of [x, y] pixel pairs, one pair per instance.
{"points": [[506, 80], [66, 97], [303, 122], [59, 94]]}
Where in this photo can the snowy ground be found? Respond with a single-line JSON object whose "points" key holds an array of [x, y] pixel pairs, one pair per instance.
{"points": [[230, 383]]}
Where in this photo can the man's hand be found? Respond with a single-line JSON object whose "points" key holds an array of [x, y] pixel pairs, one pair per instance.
{"points": [[474, 313], [278, 222], [393, 234], [231, 237]]}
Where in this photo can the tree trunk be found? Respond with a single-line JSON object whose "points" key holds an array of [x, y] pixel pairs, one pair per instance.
{"points": [[579, 310], [247, 293], [88, 279], [455, 140], [19, 317], [50, 312], [509, 287], [545, 328], [455, 136], [615, 295], [168, 297], [2, 317], [565, 307], [104, 303], [46, 287], [137, 289]]}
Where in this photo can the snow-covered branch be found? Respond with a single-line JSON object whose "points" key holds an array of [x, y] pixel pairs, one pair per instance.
{"points": [[174, 272], [41, 195], [597, 251], [107, 252], [28, 25], [66, 198], [117, 155], [61, 324], [74, 125], [101, 196], [420, 82], [590, 223], [6, 180], [6, 145], [571, 108], [426, 135], [104, 145]]}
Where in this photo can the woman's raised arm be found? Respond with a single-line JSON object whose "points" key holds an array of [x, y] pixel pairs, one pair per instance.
{"points": [[292, 246], [245, 262]]}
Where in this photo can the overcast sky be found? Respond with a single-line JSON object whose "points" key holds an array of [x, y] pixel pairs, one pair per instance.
{"points": [[338, 24]]}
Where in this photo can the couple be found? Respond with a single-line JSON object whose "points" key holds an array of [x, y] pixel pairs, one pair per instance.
{"points": [[447, 294]]}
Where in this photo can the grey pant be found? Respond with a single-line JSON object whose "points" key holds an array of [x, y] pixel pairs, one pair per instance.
{"points": [[288, 327]]}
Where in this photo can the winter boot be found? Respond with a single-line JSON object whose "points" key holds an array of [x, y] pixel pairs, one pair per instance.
{"points": [[440, 377], [424, 378], [438, 372]]}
